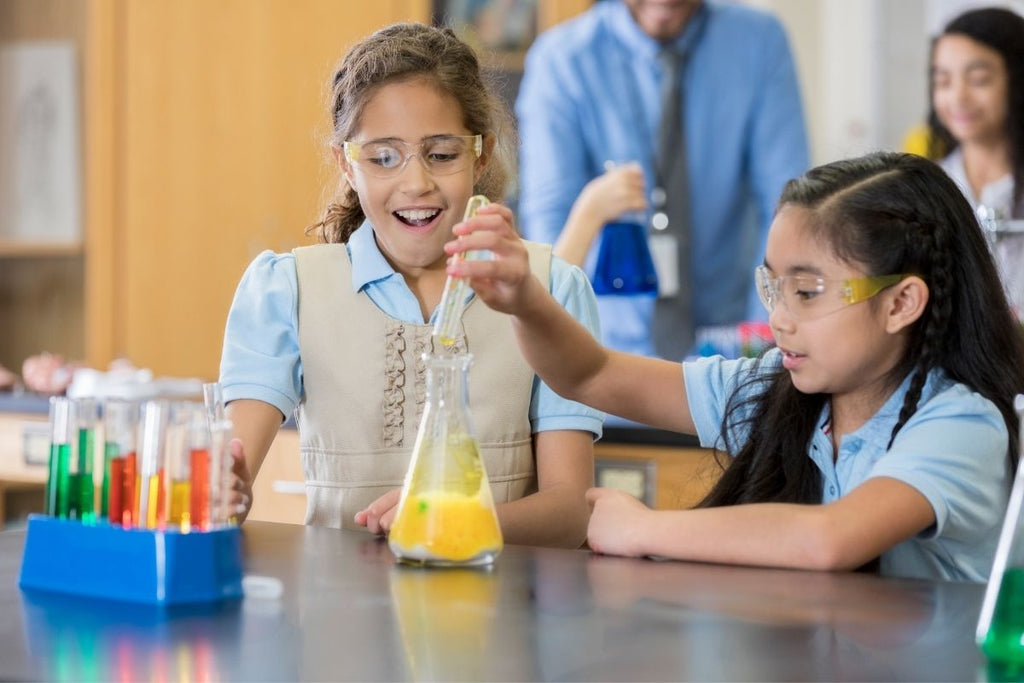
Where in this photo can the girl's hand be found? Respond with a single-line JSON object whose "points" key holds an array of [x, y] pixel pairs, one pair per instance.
{"points": [[616, 520], [240, 497], [504, 282], [380, 514], [612, 194]]}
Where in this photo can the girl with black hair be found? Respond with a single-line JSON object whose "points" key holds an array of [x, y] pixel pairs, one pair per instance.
{"points": [[976, 119], [880, 427]]}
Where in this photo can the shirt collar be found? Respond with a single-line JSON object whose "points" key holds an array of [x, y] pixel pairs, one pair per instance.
{"points": [[998, 194], [879, 426], [368, 264], [620, 23]]}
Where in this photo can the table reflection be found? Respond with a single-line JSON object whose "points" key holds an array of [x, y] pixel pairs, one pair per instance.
{"points": [[71, 638], [445, 617]]}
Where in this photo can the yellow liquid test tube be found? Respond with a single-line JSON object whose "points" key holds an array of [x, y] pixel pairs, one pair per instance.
{"points": [[453, 300], [181, 498]]}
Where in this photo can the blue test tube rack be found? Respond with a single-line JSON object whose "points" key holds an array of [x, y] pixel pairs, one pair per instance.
{"points": [[162, 567]]}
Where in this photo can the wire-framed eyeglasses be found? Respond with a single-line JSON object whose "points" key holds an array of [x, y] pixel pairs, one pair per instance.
{"points": [[808, 297], [439, 154]]}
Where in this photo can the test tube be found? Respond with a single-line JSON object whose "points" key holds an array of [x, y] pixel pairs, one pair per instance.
{"points": [[86, 419], [199, 470], [177, 481], [151, 465], [453, 300], [120, 423], [58, 485], [213, 399], [220, 473]]}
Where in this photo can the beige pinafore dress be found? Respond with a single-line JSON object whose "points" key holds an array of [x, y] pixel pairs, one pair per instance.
{"points": [[365, 388]]}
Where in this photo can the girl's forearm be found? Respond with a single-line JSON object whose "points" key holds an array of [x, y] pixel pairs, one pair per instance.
{"points": [[553, 517], [769, 534], [559, 348], [577, 236]]}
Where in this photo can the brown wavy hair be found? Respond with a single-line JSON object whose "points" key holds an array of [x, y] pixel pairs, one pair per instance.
{"points": [[402, 52]]}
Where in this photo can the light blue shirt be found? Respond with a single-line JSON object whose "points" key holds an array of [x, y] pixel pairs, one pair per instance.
{"points": [[591, 93], [261, 358], [952, 450]]}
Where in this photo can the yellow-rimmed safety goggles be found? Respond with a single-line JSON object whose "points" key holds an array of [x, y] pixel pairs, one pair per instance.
{"points": [[807, 297]]}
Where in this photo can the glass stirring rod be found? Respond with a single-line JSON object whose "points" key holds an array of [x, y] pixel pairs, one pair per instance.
{"points": [[453, 300]]}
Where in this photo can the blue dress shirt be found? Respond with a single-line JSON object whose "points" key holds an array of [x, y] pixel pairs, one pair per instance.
{"points": [[262, 360], [952, 450], [591, 93]]}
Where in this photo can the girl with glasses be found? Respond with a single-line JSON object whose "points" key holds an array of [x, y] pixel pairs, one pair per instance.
{"points": [[337, 331], [880, 427]]}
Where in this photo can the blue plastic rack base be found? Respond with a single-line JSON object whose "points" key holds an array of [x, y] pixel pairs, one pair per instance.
{"points": [[132, 565]]}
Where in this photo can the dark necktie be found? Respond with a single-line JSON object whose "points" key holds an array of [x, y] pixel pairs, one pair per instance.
{"points": [[673, 315]]}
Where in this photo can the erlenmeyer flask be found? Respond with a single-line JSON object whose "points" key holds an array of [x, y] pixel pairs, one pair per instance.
{"points": [[446, 513], [624, 264], [1001, 625]]}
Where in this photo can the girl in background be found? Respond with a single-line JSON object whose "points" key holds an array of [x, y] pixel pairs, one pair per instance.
{"points": [[976, 119], [882, 424], [336, 331]]}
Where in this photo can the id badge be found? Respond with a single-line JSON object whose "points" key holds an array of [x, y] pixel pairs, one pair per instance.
{"points": [[665, 254]]}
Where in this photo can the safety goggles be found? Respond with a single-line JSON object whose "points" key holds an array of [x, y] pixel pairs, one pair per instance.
{"points": [[439, 154], [807, 297]]}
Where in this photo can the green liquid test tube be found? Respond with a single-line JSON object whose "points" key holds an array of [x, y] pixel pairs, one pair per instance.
{"points": [[56, 504], [110, 452], [453, 300], [86, 416]]}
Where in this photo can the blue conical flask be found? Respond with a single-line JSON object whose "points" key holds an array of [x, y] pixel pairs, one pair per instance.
{"points": [[624, 265]]}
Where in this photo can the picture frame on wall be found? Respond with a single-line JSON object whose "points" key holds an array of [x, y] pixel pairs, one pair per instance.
{"points": [[39, 133]]}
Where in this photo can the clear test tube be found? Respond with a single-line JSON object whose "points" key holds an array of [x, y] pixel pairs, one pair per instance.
{"points": [[86, 420], [220, 473], [151, 465], [58, 482], [177, 480], [120, 426], [213, 399], [456, 289]]}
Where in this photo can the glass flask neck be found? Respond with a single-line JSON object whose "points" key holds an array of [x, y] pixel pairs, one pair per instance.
{"points": [[447, 379]]}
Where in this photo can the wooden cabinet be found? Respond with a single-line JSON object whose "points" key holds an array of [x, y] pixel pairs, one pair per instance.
{"points": [[21, 484], [666, 477], [41, 282], [279, 493], [203, 129], [200, 125]]}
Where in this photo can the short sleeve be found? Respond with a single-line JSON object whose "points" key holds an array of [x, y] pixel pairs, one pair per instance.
{"points": [[548, 410], [711, 382], [954, 452], [260, 358]]}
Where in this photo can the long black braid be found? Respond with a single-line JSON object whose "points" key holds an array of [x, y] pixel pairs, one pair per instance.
{"points": [[926, 346]]}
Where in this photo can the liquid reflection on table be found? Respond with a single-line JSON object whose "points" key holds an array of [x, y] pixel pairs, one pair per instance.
{"points": [[348, 612]]}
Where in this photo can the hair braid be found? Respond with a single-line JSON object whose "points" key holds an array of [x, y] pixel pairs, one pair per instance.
{"points": [[935, 324]]}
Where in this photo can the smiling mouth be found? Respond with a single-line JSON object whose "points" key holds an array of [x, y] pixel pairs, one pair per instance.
{"points": [[417, 218]]}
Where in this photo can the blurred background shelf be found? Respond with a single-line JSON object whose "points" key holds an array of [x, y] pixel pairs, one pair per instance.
{"points": [[13, 249]]}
